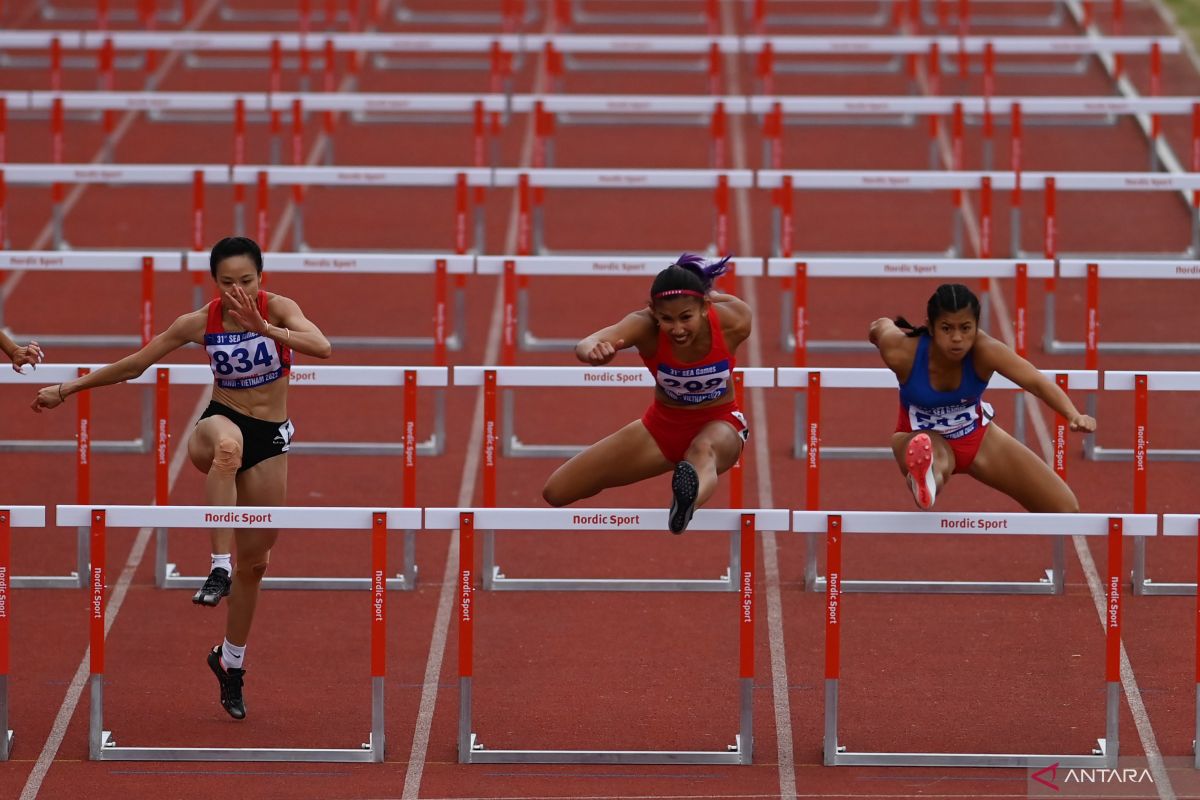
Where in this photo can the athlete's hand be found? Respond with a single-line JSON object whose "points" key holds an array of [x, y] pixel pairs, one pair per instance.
{"points": [[48, 397], [1084, 423], [600, 353], [245, 312], [29, 354]]}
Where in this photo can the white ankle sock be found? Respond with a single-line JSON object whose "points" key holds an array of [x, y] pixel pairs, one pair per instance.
{"points": [[222, 560], [232, 656]]}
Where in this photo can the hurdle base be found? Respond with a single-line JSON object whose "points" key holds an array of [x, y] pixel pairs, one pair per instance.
{"points": [[1164, 588], [72, 581], [844, 758], [478, 754], [500, 583], [8, 745], [1044, 586], [109, 751], [173, 580]]}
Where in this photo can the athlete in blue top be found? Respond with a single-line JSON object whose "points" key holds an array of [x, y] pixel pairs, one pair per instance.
{"points": [[242, 438], [945, 427]]}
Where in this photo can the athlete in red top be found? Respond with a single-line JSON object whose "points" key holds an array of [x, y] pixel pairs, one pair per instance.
{"points": [[687, 336], [242, 438]]}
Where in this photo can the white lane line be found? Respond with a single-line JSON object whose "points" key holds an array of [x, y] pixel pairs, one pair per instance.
{"points": [[781, 700], [62, 720], [441, 624]]}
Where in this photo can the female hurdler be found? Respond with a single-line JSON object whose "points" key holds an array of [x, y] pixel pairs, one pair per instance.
{"points": [[687, 336], [242, 438]]}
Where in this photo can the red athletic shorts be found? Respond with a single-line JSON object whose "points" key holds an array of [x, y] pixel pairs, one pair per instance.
{"points": [[964, 447], [673, 429]]}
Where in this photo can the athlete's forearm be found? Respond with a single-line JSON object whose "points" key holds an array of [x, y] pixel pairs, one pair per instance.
{"points": [[7, 345], [310, 343], [116, 372], [1052, 395]]}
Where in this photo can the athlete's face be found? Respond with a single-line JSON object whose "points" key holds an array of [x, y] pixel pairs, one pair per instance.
{"points": [[954, 333], [681, 317], [237, 271]]}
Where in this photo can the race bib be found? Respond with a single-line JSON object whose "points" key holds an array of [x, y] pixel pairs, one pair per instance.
{"points": [[694, 384], [243, 360], [952, 421]]}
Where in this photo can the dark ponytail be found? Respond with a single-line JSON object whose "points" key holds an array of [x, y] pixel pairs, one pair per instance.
{"points": [[690, 275], [948, 298]]}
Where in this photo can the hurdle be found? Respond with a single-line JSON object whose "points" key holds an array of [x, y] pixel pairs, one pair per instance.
{"points": [[530, 182], [471, 749], [796, 305], [59, 175], [785, 182], [460, 179], [170, 13], [102, 743], [1141, 454], [1093, 272], [516, 270], [808, 445], [446, 312], [837, 524], [167, 574], [10, 517], [492, 378], [1188, 525]]}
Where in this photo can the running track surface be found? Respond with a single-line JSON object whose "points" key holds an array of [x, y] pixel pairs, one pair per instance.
{"points": [[579, 670]]}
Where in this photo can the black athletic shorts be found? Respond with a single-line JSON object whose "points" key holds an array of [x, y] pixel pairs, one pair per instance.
{"points": [[260, 439]]}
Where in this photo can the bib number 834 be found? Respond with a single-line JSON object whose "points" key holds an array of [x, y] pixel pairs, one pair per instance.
{"points": [[239, 360]]}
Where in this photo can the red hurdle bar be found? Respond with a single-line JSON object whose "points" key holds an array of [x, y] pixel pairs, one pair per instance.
{"points": [[5, 605], [96, 609]]}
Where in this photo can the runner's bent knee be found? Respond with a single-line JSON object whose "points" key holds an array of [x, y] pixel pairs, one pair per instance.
{"points": [[227, 456]]}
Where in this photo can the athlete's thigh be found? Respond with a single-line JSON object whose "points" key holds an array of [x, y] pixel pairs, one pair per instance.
{"points": [[626, 456], [1008, 466], [202, 444], [726, 443]]}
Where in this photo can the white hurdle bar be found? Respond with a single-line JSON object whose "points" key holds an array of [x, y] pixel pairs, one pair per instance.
{"points": [[809, 445], [836, 524], [1140, 454], [797, 271], [102, 744], [10, 517], [408, 379], [1189, 525], [471, 749], [492, 378], [513, 268]]}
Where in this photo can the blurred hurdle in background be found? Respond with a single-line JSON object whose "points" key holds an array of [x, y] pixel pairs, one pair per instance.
{"points": [[747, 523], [517, 270], [102, 743], [836, 524], [808, 445], [1140, 454], [785, 183], [10, 517], [500, 438]]}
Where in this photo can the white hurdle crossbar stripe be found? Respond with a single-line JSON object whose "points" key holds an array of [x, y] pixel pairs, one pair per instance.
{"points": [[836, 524], [103, 746], [466, 520], [10, 517]]}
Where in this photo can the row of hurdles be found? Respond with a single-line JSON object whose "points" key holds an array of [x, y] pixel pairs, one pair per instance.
{"points": [[742, 524]]}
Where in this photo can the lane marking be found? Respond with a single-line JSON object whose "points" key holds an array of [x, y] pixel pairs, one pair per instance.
{"points": [[441, 625], [781, 700]]}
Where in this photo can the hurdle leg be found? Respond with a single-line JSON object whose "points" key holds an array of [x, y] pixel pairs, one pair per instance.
{"points": [[1015, 231], [57, 217], [1058, 571], [1089, 439], [787, 341], [1019, 425], [489, 569], [799, 442], [163, 569], [6, 735], [298, 227], [83, 556], [1138, 574], [1195, 233]]}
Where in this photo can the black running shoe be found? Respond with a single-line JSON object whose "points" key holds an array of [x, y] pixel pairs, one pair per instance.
{"points": [[231, 684], [216, 586], [685, 485]]}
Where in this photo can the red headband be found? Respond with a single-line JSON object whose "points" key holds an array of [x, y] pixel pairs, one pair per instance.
{"points": [[676, 292]]}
